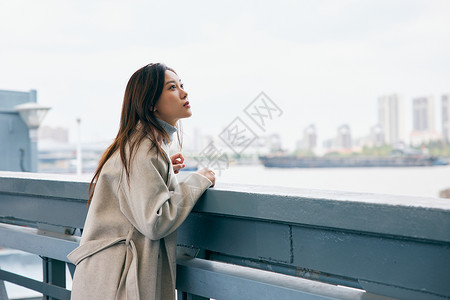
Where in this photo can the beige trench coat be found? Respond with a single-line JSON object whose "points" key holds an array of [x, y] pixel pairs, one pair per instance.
{"points": [[128, 246]]}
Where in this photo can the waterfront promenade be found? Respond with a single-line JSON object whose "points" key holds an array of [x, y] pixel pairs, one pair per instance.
{"points": [[256, 242]]}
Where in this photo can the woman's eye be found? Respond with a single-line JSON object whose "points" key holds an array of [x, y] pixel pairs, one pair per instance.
{"points": [[182, 86], [172, 86]]}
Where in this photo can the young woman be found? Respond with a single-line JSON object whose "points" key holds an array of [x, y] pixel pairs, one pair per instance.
{"points": [[136, 203]]}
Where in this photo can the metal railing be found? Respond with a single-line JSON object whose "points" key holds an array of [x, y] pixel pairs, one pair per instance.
{"points": [[255, 242]]}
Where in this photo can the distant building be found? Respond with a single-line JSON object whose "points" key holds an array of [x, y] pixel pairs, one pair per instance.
{"points": [[59, 157], [423, 121], [309, 139], [344, 137], [391, 118], [423, 114], [15, 142], [373, 139], [446, 118], [342, 142], [376, 136]]}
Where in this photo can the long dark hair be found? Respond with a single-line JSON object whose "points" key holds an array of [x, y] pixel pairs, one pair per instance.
{"points": [[141, 95]]}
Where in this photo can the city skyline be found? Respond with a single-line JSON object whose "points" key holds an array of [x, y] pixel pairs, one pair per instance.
{"points": [[321, 62], [309, 138]]}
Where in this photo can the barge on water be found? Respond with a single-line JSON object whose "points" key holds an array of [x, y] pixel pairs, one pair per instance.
{"points": [[285, 161]]}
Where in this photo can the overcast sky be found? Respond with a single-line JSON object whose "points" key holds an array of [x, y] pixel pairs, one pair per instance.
{"points": [[321, 62]]}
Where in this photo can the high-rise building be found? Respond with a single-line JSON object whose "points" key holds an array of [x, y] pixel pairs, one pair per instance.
{"points": [[423, 121], [446, 117], [391, 118], [376, 136], [423, 114], [309, 140], [344, 137]]}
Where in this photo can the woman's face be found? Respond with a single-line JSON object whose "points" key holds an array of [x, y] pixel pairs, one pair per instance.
{"points": [[171, 104]]}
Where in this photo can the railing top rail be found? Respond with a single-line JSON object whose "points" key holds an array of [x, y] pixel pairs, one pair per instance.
{"points": [[35, 179], [45, 185]]}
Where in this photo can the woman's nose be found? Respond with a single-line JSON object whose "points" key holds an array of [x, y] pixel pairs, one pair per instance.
{"points": [[184, 94]]}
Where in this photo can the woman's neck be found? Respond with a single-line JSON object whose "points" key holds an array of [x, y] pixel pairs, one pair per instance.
{"points": [[170, 129]]}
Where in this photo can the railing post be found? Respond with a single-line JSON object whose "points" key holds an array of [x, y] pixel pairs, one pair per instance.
{"points": [[54, 273], [186, 296], [3, 293]]}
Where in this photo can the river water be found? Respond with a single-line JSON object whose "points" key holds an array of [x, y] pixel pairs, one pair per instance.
{"points": [[412, 181]]}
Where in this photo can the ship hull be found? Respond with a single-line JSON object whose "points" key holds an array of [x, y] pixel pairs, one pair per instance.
{"points": [[347, 162]]}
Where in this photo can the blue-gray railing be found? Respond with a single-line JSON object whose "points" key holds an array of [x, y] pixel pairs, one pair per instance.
{"points": [[255, 242]]}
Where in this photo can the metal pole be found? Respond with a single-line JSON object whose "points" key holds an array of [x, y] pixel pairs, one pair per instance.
{"points": [[79, 157], [33, 150], [54, 273]]}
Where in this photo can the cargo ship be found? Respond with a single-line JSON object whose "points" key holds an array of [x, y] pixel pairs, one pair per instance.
{"points": [[286, 161]]}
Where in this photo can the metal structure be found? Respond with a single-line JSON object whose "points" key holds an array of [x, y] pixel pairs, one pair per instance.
{"points": [[20, 116], [32, 114], [15, 145], [256, 242]]}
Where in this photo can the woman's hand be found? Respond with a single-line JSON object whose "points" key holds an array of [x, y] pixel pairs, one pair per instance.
{"points": [[177, 162], [208, 173]]}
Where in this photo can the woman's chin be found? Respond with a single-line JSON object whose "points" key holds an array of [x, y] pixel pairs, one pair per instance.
{"points": [[188, 113]]}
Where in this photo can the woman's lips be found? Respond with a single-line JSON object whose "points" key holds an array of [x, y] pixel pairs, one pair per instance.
{"points": [[187, 104]]}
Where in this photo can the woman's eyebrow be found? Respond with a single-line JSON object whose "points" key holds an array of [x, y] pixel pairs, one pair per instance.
{"points": [[172, 81]]}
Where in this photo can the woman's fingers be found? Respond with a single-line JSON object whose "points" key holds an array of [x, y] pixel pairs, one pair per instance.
{"points": [[178, 167], [177, 162], [177, 158]]}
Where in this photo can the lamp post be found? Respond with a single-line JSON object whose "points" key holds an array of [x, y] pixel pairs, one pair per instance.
{"points": [[79, 157], [32, 114]]}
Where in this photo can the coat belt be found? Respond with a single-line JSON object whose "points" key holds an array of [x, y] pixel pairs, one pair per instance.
{"points": [[129, 279]]}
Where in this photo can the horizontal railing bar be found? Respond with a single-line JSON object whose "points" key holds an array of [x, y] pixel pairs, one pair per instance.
{"points": [[226, 281], [48, 244], [44, 210], [38, 286], [18, 222], [45, 185], [286, 269]]}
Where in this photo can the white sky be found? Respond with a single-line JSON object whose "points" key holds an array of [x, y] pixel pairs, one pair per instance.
{"points": [[322, 62]]}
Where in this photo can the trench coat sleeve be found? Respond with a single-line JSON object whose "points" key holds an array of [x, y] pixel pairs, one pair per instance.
{"points": [[150, 206]]}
